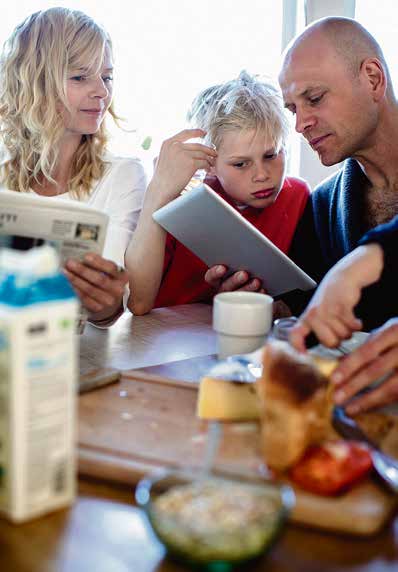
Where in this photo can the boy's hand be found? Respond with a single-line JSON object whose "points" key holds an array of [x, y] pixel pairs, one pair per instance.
{"points": [[99, 283], [178, 161], [237, 281]]}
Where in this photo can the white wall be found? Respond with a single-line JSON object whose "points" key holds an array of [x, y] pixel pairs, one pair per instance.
{"points": [[310, 167]]}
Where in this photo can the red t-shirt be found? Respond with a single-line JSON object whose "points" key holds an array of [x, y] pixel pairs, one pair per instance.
{"points": [[183, 272]]}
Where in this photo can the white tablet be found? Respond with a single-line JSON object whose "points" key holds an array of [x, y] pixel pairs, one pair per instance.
{"points": [[218, 234]]}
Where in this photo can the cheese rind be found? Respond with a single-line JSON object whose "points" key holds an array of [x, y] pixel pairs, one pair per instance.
{"points": [[227, 400]]}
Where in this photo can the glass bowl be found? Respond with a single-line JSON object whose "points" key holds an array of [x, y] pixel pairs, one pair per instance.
{"points": [[215, 522]]}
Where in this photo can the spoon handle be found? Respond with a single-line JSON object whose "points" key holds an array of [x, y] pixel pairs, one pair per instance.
{"points": [[214, 433]]}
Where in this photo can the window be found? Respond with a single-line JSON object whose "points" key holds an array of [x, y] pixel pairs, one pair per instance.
{"points": [[380, 18]]}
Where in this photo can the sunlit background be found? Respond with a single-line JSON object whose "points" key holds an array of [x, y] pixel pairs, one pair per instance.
{"points": [[167, 51], [380, 17]]}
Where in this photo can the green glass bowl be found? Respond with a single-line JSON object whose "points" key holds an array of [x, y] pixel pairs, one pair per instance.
{"points": [[215, 523]]}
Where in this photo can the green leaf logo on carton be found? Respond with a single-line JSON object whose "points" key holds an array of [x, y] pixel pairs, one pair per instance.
{"points": [[65, 323]]}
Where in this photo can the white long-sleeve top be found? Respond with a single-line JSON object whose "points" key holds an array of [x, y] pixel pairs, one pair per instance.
{"points": [[119, 194]]}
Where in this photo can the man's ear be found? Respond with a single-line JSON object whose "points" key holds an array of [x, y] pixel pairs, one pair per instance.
{"points": [[375, 75]]}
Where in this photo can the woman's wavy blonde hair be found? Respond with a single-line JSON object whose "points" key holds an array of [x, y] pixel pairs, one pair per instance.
{"points": [[247, 102], [34, 67]]}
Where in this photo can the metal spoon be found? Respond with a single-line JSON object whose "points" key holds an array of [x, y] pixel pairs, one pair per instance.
{"points": [[385, 466], [245, 368]]}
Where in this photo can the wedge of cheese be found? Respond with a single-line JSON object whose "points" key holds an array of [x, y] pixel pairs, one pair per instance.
{"points": [[236, 400], [325, 365], [227, 400]]}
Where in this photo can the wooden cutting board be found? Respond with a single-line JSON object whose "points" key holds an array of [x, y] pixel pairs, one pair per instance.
{"points": [[145, 422]]}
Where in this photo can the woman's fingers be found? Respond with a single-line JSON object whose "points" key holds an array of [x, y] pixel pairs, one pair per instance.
{"points": [[98, 282]]}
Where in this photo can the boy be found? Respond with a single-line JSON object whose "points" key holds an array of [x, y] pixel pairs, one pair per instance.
{"points": [[245, 121]]}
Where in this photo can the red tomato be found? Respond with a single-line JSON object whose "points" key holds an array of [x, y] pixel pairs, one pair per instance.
{"points": [[332, 467]]}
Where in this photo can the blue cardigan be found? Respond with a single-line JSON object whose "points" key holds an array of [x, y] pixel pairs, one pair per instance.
{"points": [[383, 296], [330, 228], [331, 225]]}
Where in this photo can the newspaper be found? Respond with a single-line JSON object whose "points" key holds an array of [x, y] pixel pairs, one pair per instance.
{"points": [[72, 228]]}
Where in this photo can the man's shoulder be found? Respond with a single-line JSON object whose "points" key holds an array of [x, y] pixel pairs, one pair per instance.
{"points": [[327, 185]]}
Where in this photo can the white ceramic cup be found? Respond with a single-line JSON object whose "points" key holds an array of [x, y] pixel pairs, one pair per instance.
{"points": [[242, 320]]}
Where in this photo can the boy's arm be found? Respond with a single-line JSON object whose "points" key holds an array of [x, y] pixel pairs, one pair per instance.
{"points": [[144, 257]]}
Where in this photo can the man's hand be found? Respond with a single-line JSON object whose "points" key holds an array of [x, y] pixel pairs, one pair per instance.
{"points": [[237, 281], [330, 314], [99, 284], [376, 358]]}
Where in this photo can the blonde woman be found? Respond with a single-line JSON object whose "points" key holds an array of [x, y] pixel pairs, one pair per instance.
{"points": [[56, 87]]}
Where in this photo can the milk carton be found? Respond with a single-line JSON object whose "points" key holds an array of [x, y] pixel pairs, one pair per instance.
{"points": [[38, 370]]}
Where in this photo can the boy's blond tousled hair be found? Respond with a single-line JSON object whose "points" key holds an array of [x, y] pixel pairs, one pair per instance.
{"points": [[34, 67], [247, 102]]}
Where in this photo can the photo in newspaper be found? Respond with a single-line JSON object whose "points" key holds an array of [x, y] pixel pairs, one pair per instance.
{"points": [[72, 228]]}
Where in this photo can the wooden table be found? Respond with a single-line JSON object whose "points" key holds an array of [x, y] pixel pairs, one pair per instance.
{"points": [[165, 335], [105, 532]]}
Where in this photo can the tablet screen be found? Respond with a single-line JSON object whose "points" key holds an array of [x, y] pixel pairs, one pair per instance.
{"points": [[212, 229]]}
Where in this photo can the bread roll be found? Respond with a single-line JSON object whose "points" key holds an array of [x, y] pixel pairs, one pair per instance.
{"points": [[296, 403]]}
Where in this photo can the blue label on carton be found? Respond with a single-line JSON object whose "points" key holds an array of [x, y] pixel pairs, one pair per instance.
{"points": [[18, 292]]}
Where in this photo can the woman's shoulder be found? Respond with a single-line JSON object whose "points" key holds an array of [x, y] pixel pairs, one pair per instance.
{"points": [[123, 180], [122, 175], [118, 165]]}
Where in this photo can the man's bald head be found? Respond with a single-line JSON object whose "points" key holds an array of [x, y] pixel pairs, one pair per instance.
{"points": [[349, 39]]}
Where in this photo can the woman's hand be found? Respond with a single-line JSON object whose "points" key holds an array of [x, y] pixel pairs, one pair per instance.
{"points": [[99, 284]]}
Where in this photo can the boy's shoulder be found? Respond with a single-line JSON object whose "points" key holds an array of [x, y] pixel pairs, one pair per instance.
{"points": [[297, 184]]}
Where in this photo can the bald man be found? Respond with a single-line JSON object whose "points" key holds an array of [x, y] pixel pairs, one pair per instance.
{"points": [[335, 80]]}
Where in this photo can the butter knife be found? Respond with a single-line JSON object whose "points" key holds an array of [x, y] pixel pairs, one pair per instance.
{"points": [[385, 466]]}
